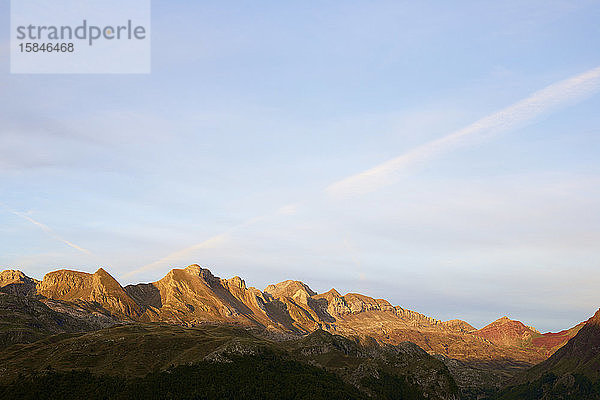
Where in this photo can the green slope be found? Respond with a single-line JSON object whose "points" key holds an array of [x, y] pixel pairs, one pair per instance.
{"points": [[140, 354]]}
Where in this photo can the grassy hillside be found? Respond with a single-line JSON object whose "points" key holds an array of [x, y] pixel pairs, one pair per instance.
{"points": [[138, 355], [553, 387]]}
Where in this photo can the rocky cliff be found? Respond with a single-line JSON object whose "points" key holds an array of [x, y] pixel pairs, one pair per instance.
{"points": [[99, 287], [194, 296], [17, 283]]}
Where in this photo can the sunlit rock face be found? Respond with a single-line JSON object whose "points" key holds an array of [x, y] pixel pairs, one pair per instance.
{"points": [[99, 287], [193, 296]]}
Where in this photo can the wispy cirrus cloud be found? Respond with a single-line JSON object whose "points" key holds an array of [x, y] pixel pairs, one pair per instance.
{"points": [[46, 229], [519, 114], [209, 243]]}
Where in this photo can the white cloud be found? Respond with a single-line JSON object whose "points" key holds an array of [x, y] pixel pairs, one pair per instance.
{"points": [[524, 111], [47, 229], [519, 114]]}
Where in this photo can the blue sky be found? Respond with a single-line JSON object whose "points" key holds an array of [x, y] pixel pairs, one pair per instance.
{"points": [[225, 155]]}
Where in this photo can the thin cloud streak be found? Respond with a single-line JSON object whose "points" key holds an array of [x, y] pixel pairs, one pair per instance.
{"points": [[517, 115], [47, 229], [560, 94], [209, 243]]}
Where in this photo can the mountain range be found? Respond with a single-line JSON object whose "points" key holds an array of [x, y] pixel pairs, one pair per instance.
{"points": [[193, 296], [479, 360]]}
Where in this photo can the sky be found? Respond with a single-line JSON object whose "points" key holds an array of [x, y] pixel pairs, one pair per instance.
{"points": [[440, 155]]}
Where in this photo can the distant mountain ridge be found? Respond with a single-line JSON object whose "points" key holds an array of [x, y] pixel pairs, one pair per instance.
{"points": [[581, 354], [507, 332], [572, 372], [193, 296]]}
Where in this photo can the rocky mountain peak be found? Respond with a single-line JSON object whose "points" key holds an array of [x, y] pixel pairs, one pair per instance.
{"points": [[66, 285], [595, 320], [332, 293], [518, 325], [290, 288], [99, 287], [237, 282], [460, 325], [194, 269], [102, 277], [16, 282], [12, 275], [503, 321], [507, 332], [105, 281], [197, 270]]}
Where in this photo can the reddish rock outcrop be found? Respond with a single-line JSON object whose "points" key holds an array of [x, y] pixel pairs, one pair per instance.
{"points": [[580, 355], [507, 332]]}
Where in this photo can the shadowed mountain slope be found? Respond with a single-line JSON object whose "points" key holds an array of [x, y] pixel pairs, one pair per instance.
{"points": [[572, 372], [193, 296], [581, 354], [25, 319], [130, 351]]}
